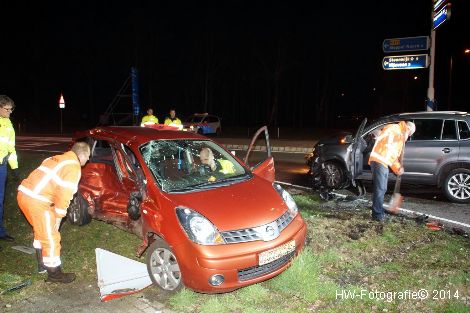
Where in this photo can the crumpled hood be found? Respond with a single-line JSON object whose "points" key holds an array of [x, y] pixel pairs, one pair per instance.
{"points": [[241, 205]]}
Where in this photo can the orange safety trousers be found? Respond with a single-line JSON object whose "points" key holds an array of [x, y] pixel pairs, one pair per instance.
{"points": [[45, 224]]}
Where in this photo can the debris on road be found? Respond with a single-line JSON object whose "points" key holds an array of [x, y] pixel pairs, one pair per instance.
{"points": [[119, 276], [459, 231], [434, 225], [17, 287], [24, 249], [421, 219]]}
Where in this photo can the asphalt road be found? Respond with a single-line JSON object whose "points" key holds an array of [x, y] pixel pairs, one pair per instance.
{"points": [[291, 168]]}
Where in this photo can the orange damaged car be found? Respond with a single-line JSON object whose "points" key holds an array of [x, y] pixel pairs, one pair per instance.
{"points": [[208, 220]]}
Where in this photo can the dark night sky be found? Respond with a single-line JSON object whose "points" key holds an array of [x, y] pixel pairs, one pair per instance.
{"points": [[231, 58]]}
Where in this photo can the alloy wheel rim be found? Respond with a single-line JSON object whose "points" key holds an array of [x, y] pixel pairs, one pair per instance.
{"points": [[332, 175], [459, 186], [165, 269]]}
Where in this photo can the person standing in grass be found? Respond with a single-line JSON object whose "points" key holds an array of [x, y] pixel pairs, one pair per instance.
{"points": [[385, 154], [44, 197], [7, 155]]}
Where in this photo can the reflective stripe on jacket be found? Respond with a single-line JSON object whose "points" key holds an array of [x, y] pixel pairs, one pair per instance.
{"points": [[7, 142], [149, 119], [388, 146], [55, 181]]}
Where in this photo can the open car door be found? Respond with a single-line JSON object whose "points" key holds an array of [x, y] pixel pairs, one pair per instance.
{"points": [[355, 156], [112, 180], [263, 165]]}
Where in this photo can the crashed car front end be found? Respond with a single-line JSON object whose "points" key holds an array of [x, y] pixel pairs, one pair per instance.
{"points": [[315, 161]]}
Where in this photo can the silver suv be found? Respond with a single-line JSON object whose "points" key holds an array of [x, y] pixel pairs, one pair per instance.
{"points": [[437, 154]]}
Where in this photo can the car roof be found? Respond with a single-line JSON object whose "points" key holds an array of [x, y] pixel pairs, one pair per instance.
{"points": [[140, 135], [412, 115], [432, 114]]}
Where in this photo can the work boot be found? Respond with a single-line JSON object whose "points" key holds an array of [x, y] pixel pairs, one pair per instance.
{"points": [[55, 275], [41, 268]]}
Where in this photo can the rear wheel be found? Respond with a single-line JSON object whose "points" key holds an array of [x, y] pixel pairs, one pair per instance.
{"points": [[163, 266], [333, 175], [457, 185], [77, 212]]}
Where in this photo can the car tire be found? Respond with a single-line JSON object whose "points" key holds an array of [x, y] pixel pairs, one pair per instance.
{"points": [[163, 266], [333, 175], [77, 212], [457, 185]]}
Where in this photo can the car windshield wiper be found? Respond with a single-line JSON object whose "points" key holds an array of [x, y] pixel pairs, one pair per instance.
{"points": [[182, 189], [233, 178], [211, 184], [223, 181]]}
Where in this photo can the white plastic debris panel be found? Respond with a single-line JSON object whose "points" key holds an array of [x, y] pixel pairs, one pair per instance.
{"points": [[119, 276]]}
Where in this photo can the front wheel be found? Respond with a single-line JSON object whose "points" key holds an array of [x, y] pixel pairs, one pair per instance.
{"points": [[333, 175], [163, 266], [457, 185]]}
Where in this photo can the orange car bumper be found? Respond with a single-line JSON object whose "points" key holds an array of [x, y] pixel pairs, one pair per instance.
{"points": [[237, 263]]}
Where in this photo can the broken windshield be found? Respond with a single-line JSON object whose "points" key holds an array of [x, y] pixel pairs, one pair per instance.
{"points": [[189, 165]]}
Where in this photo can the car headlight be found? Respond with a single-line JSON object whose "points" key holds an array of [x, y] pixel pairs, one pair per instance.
{"points": [[288, 200], [198, 228]]}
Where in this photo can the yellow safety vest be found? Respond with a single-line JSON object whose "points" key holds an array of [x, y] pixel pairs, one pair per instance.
{"points": [[175, 121], [149, 119], [226, 167], [7, 142]]}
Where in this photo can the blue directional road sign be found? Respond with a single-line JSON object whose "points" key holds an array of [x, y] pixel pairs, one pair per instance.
{"points": [[441, 16], [406, 44], [405, 62]]}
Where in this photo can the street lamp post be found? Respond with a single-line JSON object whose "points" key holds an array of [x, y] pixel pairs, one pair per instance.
{"points": [[430, 102]]}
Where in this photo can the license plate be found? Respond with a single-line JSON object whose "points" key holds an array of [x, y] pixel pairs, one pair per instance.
{"points": [[274, 254]]}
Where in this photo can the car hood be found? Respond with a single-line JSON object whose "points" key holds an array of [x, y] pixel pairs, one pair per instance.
{"points": [[241, 205]]}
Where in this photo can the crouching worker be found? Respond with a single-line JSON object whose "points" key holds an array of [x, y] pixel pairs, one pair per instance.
{"points": [[44, 198]]}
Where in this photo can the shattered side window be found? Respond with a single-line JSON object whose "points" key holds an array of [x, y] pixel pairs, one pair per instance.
{"points": [[188, 165]]}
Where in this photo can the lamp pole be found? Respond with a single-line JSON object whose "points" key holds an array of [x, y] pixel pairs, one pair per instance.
{"points": [[430, 102]]}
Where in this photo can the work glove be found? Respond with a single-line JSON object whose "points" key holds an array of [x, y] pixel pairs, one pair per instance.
{"points": [[15, 173], [400, 171]]}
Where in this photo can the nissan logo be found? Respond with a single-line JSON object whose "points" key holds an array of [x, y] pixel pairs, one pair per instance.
{"points": [[269, 231]]}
